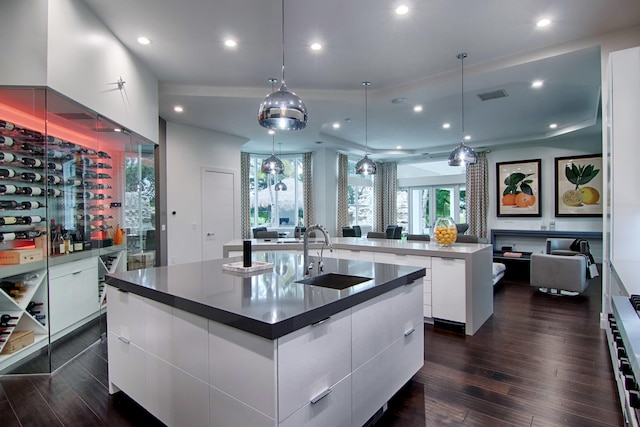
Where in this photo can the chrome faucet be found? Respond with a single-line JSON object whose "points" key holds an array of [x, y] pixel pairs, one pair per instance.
{"points": [[308, 266]]}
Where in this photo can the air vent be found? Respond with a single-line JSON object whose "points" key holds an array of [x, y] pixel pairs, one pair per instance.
{"points": [[76, 116], [493, 95]]}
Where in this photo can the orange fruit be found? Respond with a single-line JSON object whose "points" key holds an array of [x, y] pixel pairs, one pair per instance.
{"points": [[590, 195], [509, 200], [524, 200]]}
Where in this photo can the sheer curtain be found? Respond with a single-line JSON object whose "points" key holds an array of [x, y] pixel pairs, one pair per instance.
{"points": [[308, 188], [385, 186], [477, 180], [343, 191], [245, 205]]}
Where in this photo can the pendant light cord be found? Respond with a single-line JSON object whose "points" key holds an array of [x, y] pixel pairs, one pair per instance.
{"points": [[366, 118], [461, 57], [282, 41]]}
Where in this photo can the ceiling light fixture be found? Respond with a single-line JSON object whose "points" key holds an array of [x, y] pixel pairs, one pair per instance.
{"points": [[402, 10], [446, 125], [282, 109], [272, 165], [280, 186], [417, 108], [553, 125], [463, 153], [144, 40], [178, 109], [544, 22], [316, 46], [336, 125], [230, 43], [537, 83], [366, 166]]}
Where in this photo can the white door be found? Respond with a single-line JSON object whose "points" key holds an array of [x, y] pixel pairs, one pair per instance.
{"points": [[218, 211]]}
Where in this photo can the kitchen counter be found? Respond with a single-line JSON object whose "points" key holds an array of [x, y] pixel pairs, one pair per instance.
{"points": [[269, 304]]}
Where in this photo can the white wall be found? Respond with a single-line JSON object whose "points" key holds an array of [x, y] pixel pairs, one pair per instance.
{"points": [[85, 60], [325, 189], [188, 150], [23, 31]]}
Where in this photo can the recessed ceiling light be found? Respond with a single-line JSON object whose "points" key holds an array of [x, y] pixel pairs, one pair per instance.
{"points": [[544, 22], [230, 43], [467, 137], [117, 130], [537, 83], [417, 108], [271, 132], [399, 100], [178, 109], [402, 10], [398, 147], [553, 125], [336, 125], [144, 40], [316, 46], [446, 125]]}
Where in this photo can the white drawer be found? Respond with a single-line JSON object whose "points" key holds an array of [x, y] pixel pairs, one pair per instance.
{"points": [[400, 259], [333, 409], [355, 255], [67, 268], [406, 309], [126, 367], [372, 328], [311, 360], [124, 312], [225, 411]]}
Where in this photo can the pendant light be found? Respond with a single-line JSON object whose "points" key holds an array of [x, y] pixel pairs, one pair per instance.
{"points": [[463, 154], [281, 186], [366, 166], [272, 165], [282, 110]]}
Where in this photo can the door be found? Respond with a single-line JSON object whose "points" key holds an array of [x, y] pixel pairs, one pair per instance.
{"points": [[218, 211]]}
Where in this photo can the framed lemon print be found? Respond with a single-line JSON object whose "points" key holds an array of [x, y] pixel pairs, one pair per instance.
{"points": [[579, 186], [518, 192]]}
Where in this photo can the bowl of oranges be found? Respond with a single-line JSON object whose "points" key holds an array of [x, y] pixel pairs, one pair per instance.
{"points": [[445, 231]]}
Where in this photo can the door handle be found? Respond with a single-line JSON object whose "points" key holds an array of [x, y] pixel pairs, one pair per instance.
{"points": [[210, 234]]}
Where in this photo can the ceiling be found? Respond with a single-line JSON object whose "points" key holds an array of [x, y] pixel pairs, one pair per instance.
{"points": [[411, 56]]}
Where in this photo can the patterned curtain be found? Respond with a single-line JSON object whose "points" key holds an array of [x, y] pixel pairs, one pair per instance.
{"points": [[343, 191], [385, 186], [308, 189], [245, 205], [477, 196]]}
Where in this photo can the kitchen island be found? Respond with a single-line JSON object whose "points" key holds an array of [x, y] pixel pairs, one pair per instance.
{"points": [[196, 345], [458, 285]]}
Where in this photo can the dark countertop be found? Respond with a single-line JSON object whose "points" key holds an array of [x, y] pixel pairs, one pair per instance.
{"points": [[269, 304]]}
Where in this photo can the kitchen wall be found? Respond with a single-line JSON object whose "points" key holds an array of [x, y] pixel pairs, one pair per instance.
{"points": [[188, 150]]}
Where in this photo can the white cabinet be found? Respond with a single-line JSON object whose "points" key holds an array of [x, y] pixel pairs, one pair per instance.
{"points": [[73, 293], [448, 293], [352, 254]]}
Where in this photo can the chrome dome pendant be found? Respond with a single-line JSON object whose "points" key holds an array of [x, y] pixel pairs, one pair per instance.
{"points": [[366, 166], [281, 186], [272, 165], [282, 109], [463, 154]]}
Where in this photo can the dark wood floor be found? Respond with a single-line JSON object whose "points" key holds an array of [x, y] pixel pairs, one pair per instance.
{"points": [[539, 361]]}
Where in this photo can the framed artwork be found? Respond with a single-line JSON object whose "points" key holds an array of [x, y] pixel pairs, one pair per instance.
{"points": [[579, 186], [518, 188]]}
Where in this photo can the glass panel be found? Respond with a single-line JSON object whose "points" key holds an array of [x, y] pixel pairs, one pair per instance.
{"points": [[402, 209], [463, 207], [420, 216], [444, 196]]}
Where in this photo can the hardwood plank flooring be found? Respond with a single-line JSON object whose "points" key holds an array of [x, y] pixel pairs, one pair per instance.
{"points": [[538, 361]]}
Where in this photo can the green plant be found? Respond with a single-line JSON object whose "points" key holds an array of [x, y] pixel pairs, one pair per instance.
{"points": [[580, 174], [512, 182]]}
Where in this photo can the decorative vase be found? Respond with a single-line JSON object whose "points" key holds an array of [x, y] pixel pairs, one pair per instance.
{"points": [[444, 231]]}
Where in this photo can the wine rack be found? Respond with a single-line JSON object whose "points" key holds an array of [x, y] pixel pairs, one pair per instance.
{"points": [[23, 310], [109, 264]]}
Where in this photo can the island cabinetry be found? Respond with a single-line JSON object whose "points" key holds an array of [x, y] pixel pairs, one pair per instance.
{"points": [[449, 297], [189, 370], [72, 294]]}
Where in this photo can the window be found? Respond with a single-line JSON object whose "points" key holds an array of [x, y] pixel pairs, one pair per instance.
{"points": [[416, 214], [271, 208], [360, 202]]}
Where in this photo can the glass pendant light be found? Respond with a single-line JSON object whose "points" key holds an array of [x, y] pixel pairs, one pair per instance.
{"points": [[282, 109], [366, 166], [281, 186], [463, 154]]}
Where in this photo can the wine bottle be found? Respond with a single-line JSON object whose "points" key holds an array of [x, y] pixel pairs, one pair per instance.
{"points": [[31, 176], [87, 162], [8, 204], [104, 176], [103, 155], [31, 205], [54, 192], [4, 332], [31, 307], [54, 166], [6, 318], [54, 179], [6, 237], [53, 140], [7, 173], [102, 196], [8, 189], [6, 125], [30, 219], [89, 151], [74, 182], [87, 195], [32, 191], [7, 157], [32, 135], [31, 148], [87, 217], [8, 220], [54, 154], [28, 235], [31, 162], [7, 141], [103, 217], [59, 242]]}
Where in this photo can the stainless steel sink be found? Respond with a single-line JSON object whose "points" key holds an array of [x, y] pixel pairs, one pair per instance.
{"points": [[334, 280]]}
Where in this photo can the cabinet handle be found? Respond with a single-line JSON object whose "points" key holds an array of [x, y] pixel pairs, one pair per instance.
{"points": [[77, 272], [409, 332], [123, 291], [321, 396], [124, 340], [320, 322]]}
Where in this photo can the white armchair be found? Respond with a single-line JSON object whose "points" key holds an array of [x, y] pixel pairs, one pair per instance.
{"points": [[562, 271]]}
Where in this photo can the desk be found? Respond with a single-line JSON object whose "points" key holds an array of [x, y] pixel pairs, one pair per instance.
{"points": [[535, 240], [517, 267]]}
